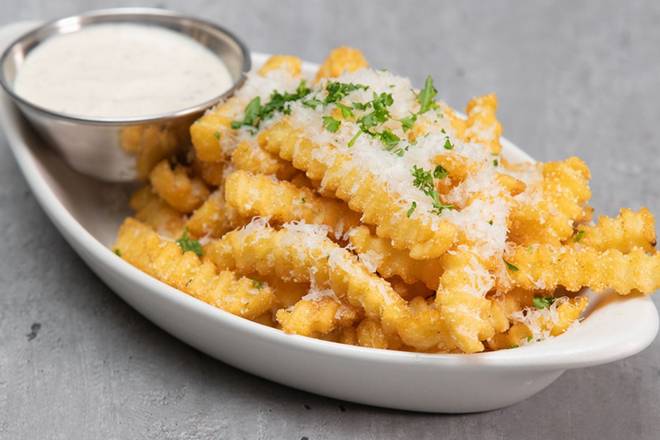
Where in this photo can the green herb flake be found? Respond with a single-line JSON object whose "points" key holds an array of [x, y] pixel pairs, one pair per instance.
{"points": [[514, 346], [490, 222], [495, 162], [354, 138], [251, 116], [579, 235], [117, 252], [312, 103], [542, 302], [388, 138], [448, 145], [331, 124], [510, 266], [337, 90], [188, 244], [426, 96], [439, 172], [346, 111], [257, 284], [423, 180], [255, 112], [379, 114], [302, 200], [408, 122], [412, 208], [216, 135]]}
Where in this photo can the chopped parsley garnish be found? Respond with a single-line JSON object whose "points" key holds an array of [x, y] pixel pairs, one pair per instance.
{"points": [[255, 113], [439, 172], [346, 111], [379, 114], [426, 96], [490, 222], [302, 200], [408, 122], [510, 266], [424, 182], [579, 235], [251, 116], [331, 124], [117, 252], [426, 101], [388, 138], [354, 138], [495, 162], [542, 302], [448, 145], [312, 103], [257, 284], [412, 208], [338, 91], [188, 244], [216, 135]]}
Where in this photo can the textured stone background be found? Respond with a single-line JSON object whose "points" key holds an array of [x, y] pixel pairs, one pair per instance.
{"points": [[572, 77]]}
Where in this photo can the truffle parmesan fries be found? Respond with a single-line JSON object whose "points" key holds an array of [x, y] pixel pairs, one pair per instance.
{"points": [[354, 208]]}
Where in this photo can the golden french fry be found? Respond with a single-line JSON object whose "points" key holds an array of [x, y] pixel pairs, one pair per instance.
{"points": [[424, 236], [164, 260], [340, 60], [259, 195], [180, 191], [627, 231]]}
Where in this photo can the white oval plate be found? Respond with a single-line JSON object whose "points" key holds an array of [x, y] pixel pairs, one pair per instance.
{"points": [[88, 213]]}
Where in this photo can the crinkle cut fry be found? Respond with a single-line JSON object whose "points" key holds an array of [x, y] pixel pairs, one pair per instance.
{"points": [[215, 217], [625, 232], [151, 209], [143, 248], [459, 167], [263, 196], [565, 191], [424, 237], [212, 173], [253, 158], [297, 256], [392, 262], [567, 313], [152, 143], [211, 135], [289, 63], [316, 318], [181, 192], [574, 267], [300, 255], [340, 60], [467, 314], [482, 125]]}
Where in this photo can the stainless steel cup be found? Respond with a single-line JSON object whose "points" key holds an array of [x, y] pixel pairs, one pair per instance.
{"points": [[121, 149]]}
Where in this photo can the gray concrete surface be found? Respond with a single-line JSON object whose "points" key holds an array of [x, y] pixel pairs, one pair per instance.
{"points": [[572, 77]]}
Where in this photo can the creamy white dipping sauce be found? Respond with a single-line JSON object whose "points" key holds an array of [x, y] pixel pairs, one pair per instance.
{"points": [[121, 70]]}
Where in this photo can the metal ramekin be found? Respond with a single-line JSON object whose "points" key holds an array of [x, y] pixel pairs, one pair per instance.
{"points": [[121, 149]]}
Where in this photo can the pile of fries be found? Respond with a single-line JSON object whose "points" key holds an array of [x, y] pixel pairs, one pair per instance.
{"points": [[354, 208]]}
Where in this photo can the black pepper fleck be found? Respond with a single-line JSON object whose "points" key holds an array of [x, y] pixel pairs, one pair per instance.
{"points": [[34, 331]]}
